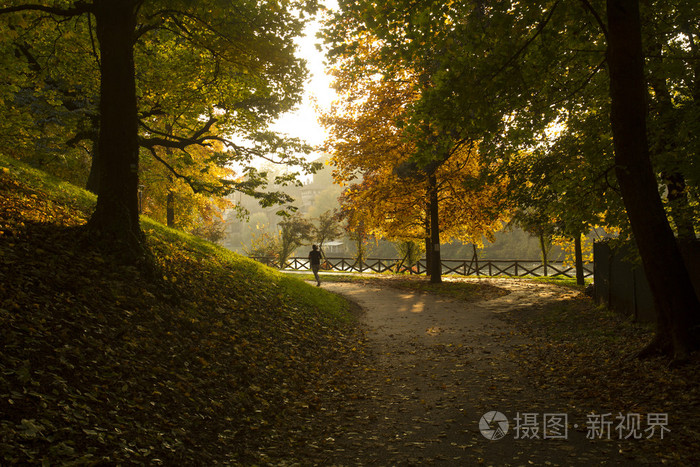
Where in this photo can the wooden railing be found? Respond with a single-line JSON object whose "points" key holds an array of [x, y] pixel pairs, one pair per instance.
{"points": [[493, 268]]}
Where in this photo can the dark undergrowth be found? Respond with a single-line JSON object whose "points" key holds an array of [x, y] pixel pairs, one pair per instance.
{"points": [[582, 358], [217, 361]]}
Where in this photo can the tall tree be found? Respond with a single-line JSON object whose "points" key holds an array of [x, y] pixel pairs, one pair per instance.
{"points": [[116, 215], [50, 93], [294, 232], [328, 228], [670, 42], [537, 223], [391, 190], [211, 26], [674, 297]]}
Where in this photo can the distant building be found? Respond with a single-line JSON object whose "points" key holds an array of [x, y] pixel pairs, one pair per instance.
{"points": [[307, 196], [334, 248]]}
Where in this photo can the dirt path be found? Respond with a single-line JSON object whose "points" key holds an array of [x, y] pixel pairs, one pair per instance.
{"points": [[436, 366]]}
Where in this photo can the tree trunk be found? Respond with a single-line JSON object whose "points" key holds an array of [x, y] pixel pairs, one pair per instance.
{"points": [[475, 259], [435, 261], [544, 249], [578, 255], [428, 256], [361, 250], [93, 181], [170, 209], [676, 304], [116, 216], [679, 208]]}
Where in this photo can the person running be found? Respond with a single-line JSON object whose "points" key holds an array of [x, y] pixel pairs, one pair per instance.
{"points": [[315, 260]]}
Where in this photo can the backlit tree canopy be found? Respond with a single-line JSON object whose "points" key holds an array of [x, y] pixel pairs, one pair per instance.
{"points": [[543, 84], [170, 74], [372, 152]]}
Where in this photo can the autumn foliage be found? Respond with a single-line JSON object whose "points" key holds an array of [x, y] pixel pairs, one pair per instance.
{"points": [[373, 153]]}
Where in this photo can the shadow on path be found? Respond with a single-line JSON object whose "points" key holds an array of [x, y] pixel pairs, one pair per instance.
{"points": [[435, 367]]}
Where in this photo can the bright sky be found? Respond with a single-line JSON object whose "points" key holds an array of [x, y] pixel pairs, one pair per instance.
{"points": [[303, 122]]}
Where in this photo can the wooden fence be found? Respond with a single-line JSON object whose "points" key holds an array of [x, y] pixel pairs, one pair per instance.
{"points": [[498, 267]]}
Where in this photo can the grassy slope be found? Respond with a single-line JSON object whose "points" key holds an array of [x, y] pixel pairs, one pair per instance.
{"points": [[219, 361]]}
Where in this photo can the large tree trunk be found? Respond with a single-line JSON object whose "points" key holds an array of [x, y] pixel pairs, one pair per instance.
{"points": [[674, 297], [116, 217], [435, 261], [93, 181]]}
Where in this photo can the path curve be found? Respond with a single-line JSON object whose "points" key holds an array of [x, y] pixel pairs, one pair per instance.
{"points": [[437, 366]]}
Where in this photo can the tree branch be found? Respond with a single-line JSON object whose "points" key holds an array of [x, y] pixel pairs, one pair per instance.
{"points": [[540, 28], [597, 17], [583, 84], [78, 9], [196, 186], [143, 29], [179, 142], [93, 43]]}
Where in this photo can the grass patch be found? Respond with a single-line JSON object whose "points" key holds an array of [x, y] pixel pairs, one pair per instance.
{"points": [[562, 281], [465, 291], [303, 296], [454, 289], [57, 190]]}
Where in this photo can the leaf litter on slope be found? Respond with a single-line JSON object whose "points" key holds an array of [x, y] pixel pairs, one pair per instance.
{"points": [[101, 364]]}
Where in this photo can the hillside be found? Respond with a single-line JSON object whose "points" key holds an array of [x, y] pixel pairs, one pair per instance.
{"points": [[219, 360]]}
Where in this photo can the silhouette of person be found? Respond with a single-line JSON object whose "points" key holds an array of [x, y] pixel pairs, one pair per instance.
{"points": [[315, 260]]}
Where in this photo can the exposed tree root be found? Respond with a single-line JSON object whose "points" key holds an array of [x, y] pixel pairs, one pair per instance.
{"points": [[659, 346], [663, 346]]}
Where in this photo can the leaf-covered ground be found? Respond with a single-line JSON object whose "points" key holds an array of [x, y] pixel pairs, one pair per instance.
{"points": [[434, 367], [222, 361], [217, 361], [584, 356]]}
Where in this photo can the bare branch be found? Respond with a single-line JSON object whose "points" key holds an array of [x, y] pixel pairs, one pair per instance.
{"points": [[583, 84], [93, 43]]}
